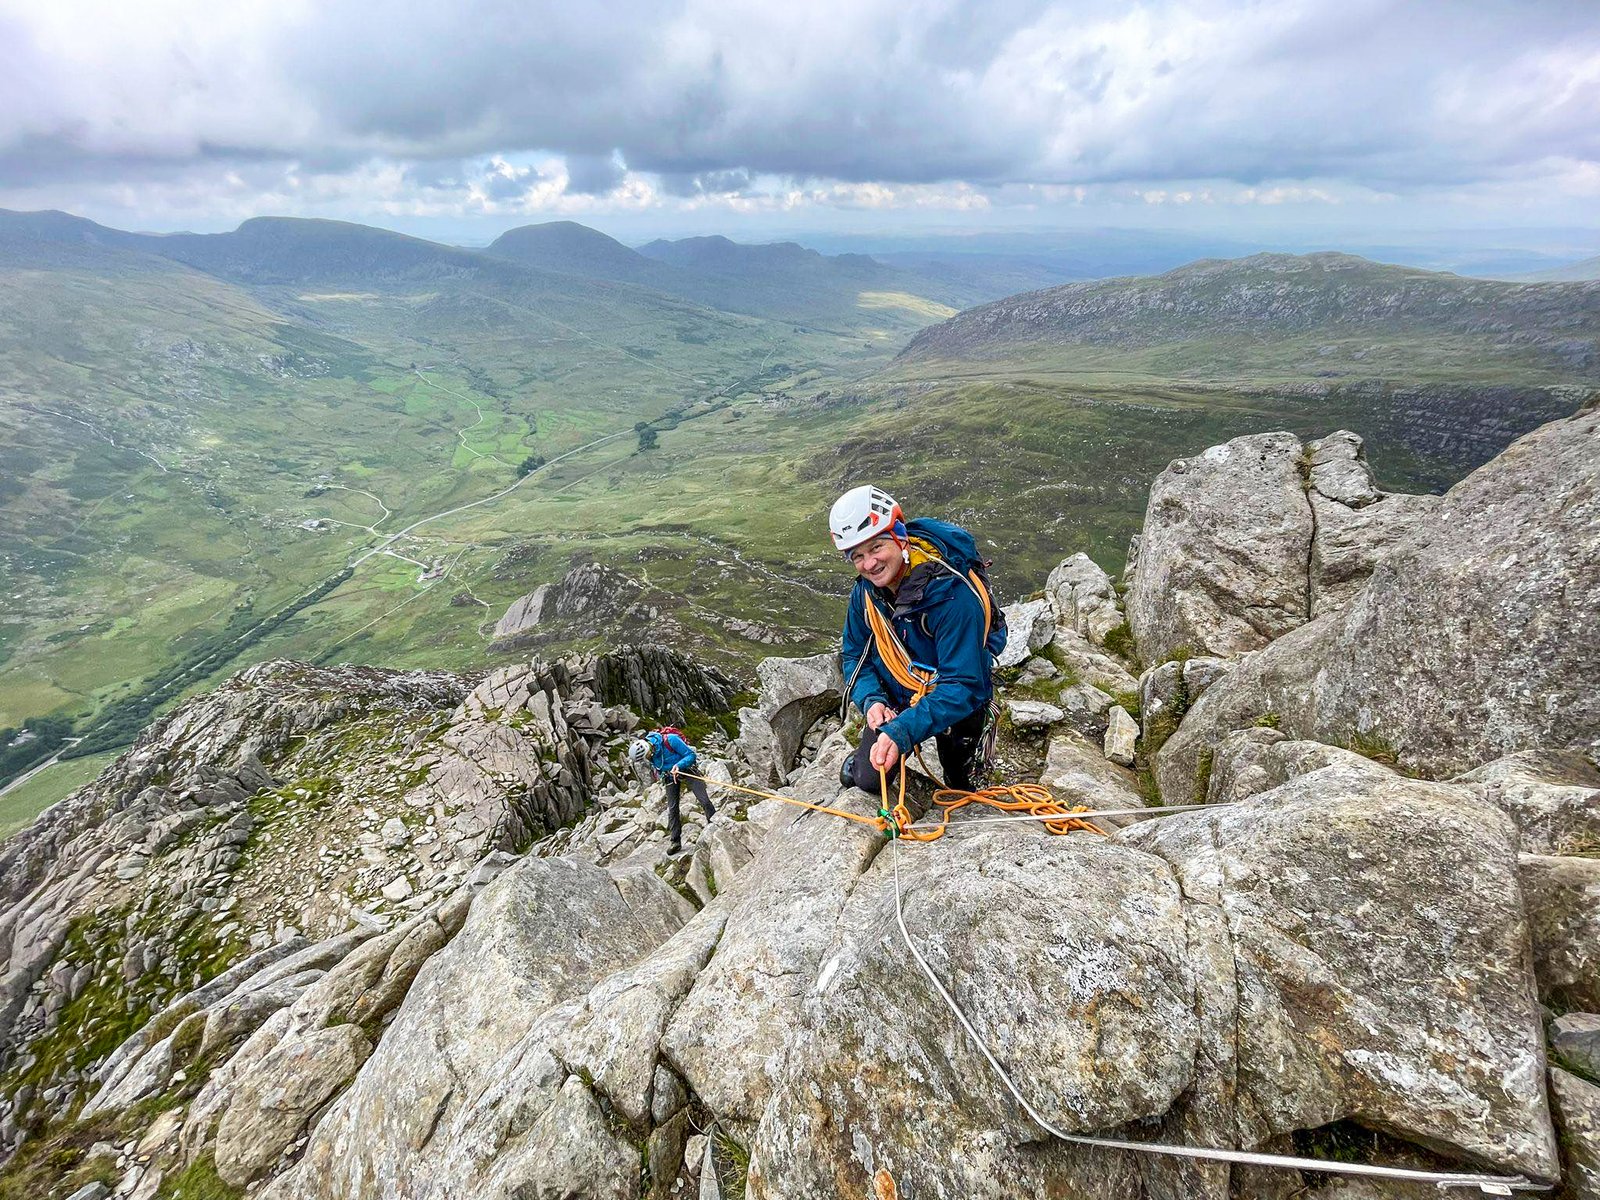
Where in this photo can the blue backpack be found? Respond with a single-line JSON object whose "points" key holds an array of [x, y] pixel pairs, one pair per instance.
{"points": [[959, 551]]}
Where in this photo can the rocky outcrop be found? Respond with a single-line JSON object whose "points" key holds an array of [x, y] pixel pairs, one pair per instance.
{"points": [[1084, 599], [794, 694], [1553, 796], [288, 815], [1344, 1019], [1249, 540], [1223, 554], [1474, 638], [463, 1088]]}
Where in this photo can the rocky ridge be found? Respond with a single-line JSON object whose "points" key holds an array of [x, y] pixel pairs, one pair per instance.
{"points": [[1359, 939]]}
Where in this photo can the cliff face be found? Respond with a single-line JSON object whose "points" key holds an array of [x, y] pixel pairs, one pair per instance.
{"points": [[335, 934]]}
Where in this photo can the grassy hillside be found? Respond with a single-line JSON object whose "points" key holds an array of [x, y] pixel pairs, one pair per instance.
{"points": [[191, 453]]}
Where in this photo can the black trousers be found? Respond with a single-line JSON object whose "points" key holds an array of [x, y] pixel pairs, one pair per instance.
{"points": [[960, 755], [674, 817]]}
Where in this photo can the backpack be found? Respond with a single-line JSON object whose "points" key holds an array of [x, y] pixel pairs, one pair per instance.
{"points": [[959, 551]]}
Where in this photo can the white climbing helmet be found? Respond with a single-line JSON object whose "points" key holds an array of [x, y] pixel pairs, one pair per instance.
{"points": [[860, 515], [638, 750]]}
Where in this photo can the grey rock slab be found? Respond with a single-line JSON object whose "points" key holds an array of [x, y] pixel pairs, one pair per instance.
{"points": [[1562, 898], [1349, 543], [1250, 761], [1575, 1038], [1577, 1111], [1087, 1002], [1030, 625], [570, 1150], [1380, 958], [1224, 550], [1553, 796], [1475, 638], [729, 1037], [613, 1038], [1078, 773], [271, 1106], [462, 1086]]}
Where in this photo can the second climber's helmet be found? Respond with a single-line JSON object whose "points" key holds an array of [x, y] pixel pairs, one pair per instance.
{"points": [[638, 750], [862, 514]]}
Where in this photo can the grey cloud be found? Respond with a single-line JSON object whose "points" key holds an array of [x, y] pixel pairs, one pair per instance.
{"points": [[1381, 93], [594, 174], [735, 182]]}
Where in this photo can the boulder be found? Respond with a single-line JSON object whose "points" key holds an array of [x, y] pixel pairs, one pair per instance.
{"points": [[1033, 714], [1553, 796], [1576, 1103], [1030, 624], [1575, 1040], [794, 694], [1083, 599], [1092, 1016], [1086, 709], [1121, 735], [1356, 524], [1562, 896], [1473, 639], [523, 614], [1224, 551], [1379, 964]]}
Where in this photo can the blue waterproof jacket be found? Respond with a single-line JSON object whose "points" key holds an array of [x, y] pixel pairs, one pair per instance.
{"points": [[670, 753], [940, 622]]}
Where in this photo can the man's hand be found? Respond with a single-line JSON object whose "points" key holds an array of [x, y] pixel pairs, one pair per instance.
{"points": [[884, 753], [879, 715]]}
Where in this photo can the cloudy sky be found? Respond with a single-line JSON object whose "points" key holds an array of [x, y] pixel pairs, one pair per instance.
{"points": [[643, 118]]}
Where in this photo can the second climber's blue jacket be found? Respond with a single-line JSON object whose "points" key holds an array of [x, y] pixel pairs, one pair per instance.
{"points": [[941, 624], [669, 753]]}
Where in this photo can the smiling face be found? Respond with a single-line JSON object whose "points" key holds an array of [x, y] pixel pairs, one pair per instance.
{"points": [[880, 561]]}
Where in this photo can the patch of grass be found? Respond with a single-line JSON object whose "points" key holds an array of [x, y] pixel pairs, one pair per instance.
{"points": [[23, 803], [1374, 746], [1267, 720], [733, 1164], [1130, 703], [1119, 641]]}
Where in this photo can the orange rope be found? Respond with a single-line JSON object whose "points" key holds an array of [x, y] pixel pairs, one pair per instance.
{"points": [[1031, 798]]}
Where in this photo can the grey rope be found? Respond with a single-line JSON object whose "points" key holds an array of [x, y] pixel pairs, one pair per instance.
{"points": [[1493, 1185]]}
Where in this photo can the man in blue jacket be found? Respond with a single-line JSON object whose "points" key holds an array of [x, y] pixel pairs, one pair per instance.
{"points": [[669, 755], [920, 636]]}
